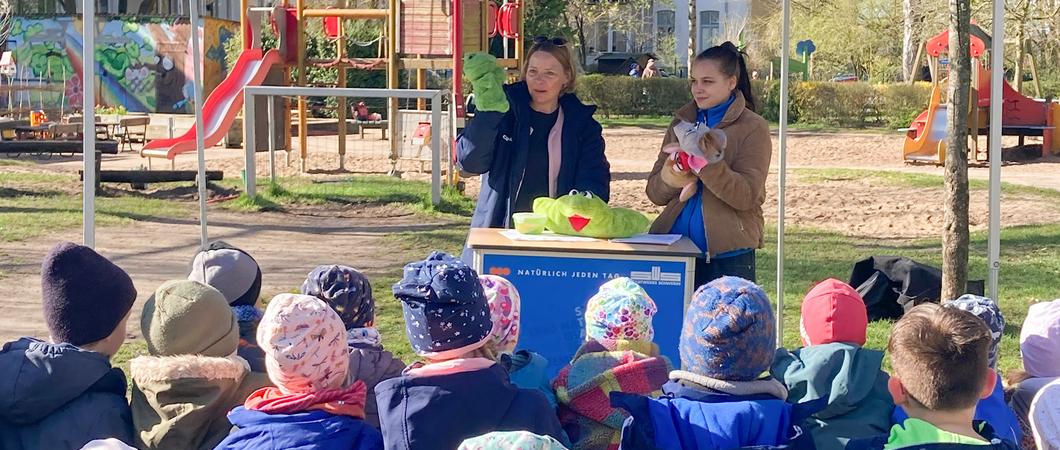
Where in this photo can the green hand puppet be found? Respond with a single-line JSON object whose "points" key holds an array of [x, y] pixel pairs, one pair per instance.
{"points": [[487, 82], [584, 214]]}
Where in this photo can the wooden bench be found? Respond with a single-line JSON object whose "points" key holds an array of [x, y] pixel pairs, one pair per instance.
{"points": [[66, 131], [138, 179], [381, 125], [52, 146], [132, 130]]}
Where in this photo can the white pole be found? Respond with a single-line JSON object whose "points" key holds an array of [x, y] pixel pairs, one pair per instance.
{"points": [[196, 58], [785, 38], [997, 61], [250, 143], [436, 154], [88, 148], [272, 139]]}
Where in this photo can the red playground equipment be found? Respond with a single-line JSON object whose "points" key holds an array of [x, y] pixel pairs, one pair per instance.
{"points": [[1021, 115], [417, 35]]}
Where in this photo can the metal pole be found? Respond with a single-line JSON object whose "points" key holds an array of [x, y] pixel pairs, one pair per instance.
{"points": [[196, 58], [997, 61], [436, 154], [88, 153], [272, 141], [249, 142], [785, 32]]}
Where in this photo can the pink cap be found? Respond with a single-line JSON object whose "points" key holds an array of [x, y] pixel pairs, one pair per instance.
{"points": [[833, 312]]}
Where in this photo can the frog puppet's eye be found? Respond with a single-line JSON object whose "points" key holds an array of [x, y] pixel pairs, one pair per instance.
{"points": [[573, 192], [588, 194]]}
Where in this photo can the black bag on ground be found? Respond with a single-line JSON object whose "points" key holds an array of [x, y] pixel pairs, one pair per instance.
{"points": [[891, 285]]}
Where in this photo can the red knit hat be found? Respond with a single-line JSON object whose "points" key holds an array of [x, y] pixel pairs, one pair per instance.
{"points": [[833, 312]]}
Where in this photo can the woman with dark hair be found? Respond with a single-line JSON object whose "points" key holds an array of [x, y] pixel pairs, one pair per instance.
{"points": [[724, 216], [530, 139]]}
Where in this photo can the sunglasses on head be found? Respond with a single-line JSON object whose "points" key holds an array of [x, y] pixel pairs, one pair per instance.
{"points": [[557, 41]]}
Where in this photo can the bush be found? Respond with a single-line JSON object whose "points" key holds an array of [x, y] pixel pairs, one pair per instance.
{"points": [[628, 96], [815, 102], [899, 104], [767, 101]]}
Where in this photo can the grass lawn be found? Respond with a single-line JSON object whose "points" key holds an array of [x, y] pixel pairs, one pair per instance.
{"points": [[38, 203], [356, 190], [895, 177]]}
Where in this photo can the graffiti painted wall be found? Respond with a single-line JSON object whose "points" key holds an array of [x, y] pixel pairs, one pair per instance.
{"points": [[142, 64]]}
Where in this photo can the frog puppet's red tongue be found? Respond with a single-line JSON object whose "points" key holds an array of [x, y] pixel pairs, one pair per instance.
{"points": [[578, 222]]}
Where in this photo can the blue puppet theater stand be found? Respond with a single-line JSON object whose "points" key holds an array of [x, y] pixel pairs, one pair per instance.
{"points": [[555, 279]]}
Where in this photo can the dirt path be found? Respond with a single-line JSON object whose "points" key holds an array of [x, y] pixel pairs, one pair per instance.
{"points": [[286, 245]]}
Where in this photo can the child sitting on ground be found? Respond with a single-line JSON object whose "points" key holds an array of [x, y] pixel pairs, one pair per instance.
{"points": [[349, 293], [526, 369], [993, 409], [723, 398], [941, 369], [834, 367], [1040, 350], [618, 356], [63, 394], [237, 275], [311, 406], [182, 392], [459, 391]]}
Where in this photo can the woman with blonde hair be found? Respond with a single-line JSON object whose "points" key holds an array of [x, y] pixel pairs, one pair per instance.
{"points": [[530, 139]]}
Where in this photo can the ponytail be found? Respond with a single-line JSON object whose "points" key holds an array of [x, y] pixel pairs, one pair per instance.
{"points": [[731, 61]]}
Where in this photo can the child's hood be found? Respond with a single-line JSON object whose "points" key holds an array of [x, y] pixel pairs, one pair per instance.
{"points": [[373, 366], [37, 378], [847, 374]]}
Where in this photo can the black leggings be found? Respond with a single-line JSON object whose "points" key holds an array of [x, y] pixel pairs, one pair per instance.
{"points": [[742, 266]]}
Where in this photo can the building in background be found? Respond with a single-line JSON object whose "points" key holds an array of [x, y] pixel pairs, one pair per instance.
{"points": [[716, 22]]}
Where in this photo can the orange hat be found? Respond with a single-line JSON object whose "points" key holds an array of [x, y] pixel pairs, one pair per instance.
{"points": [[833, 312]]}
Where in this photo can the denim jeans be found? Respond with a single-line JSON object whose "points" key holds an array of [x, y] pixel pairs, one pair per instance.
{"points": [[742, 266]]}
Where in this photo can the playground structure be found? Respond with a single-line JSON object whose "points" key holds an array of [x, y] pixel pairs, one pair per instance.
{"points": [[1021, 115], [417, 35], [804, 66]]}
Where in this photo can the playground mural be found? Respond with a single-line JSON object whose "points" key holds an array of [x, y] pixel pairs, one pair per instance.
{"points": [[142, 64]]}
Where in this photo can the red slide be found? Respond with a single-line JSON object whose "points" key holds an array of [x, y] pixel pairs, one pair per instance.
{"points": [[221, 106]]}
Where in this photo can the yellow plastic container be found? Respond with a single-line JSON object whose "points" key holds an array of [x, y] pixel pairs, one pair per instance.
{"points": [[529, 223]]}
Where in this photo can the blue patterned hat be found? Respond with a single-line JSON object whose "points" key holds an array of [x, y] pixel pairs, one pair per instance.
{"points": [[729, 331], [344, 289], [446, 313], [987, 310]]}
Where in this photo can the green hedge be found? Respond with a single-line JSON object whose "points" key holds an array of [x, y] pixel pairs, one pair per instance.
{"points": [[628, 96], [825, 103]]}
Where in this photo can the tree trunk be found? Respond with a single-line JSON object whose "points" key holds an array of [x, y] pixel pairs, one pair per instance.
{"points": [[955, 198], [692, 33], [908, 41], [1021, 54], [582, 45]]}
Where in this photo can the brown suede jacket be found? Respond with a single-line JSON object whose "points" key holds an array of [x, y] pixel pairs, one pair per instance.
{"points": [[733, 189]]}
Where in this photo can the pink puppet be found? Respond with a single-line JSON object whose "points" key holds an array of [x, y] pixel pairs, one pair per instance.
{"points": [[697, 146]]}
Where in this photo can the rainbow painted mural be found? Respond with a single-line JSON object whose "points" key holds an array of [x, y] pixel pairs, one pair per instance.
{"points": [[142, 64]]}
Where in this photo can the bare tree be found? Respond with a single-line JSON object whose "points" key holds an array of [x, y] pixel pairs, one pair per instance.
{"points": [[733, 28], [955, 218], [908, 40], [582, 15], [692, 32]]}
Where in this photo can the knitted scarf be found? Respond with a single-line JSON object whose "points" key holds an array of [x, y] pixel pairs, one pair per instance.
{"points": [[342, 402], [584, 386]]}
